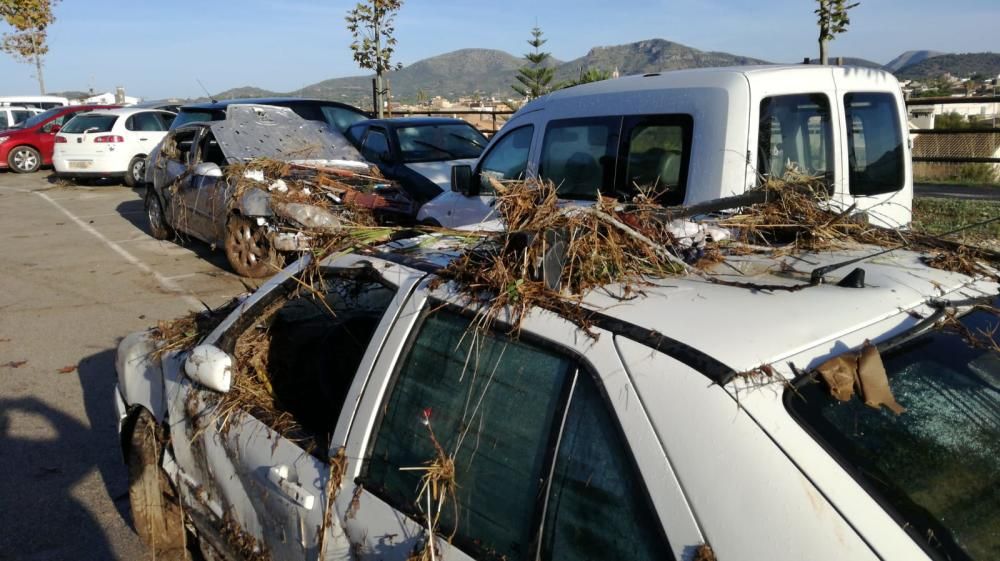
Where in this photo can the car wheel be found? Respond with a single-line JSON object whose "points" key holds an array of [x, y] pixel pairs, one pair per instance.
{"points": [[249, 251], [156, 510], [24, 159], [158, 226], [136, 172]]}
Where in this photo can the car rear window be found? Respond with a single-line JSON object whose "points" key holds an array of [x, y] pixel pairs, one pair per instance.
{"points": [[874, 143], [795, 135], [94, 122], [196, 116], [937, 465], [434, 143]]}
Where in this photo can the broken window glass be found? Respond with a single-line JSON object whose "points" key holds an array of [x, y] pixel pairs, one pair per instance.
{"points": [[598, 508], [938, 463], [492, 403]]}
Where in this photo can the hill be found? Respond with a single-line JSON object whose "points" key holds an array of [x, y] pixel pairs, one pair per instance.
{"points": [[649, 56], [491, 72], [910, 57], [960, 65]]}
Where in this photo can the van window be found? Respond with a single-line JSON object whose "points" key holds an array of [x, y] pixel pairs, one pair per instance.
{"points": [[656, 152], [507, 160], [579, 156], [874, 143], [796, 133]]}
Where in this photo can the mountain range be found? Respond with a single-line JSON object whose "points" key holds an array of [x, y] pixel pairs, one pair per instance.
{"points": [[491, 72]]}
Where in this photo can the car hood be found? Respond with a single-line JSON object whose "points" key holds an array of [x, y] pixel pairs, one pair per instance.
{"points": [[265, 131], [439, 172]]}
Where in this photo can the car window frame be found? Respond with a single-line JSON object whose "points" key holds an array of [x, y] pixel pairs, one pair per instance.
{"points": [[580, 367]]}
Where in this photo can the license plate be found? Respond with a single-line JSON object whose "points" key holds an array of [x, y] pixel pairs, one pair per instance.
{"points": [[80, 164]]}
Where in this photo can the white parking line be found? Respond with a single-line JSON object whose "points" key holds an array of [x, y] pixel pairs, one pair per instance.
{"points": [[164, 282]]}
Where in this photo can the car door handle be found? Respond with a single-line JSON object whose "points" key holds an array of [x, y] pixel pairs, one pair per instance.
{"points": [[142, 139], [279, 476]]}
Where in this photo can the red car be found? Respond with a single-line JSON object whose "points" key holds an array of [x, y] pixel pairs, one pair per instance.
{"points": [[28, 146]]}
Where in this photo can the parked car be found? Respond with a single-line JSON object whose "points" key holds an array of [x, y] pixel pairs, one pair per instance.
{"points": [[11, 116], [695, 135], [42, 102], [172, 105], [338, 116], [28, 146], [112, 143], [640, 440], [190, 194], [418, 152]]}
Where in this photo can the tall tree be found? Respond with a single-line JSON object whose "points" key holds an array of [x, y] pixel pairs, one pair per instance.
{"points": [[371, 23], [535, 76], [30, 20], [833, 20], [586, 77]]}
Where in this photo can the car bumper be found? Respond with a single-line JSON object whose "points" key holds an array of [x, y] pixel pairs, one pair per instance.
{"points": [[91, 165], [121, 408]]}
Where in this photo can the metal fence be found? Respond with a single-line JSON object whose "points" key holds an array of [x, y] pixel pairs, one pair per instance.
{"points": [[489, 120], [958, 145]]}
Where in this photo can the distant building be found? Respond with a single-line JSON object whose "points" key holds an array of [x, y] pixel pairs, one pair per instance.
{"points": [[108, 98]]}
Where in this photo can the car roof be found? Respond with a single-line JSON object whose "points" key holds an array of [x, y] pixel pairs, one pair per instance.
{"points": [[128, 111], [280, 101], [745, 328], [20, 108], [412, 121]]}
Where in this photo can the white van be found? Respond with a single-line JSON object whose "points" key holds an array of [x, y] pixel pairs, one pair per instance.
{"points": [[39, 101], [12, 115], [697, 135]]}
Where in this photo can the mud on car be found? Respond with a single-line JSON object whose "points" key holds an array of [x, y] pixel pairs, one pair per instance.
{"points": [[205, 185]]}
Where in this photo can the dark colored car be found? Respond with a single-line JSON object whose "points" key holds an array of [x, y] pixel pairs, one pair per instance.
{"points": [[418, 153], [337, 115], [28, 146]]}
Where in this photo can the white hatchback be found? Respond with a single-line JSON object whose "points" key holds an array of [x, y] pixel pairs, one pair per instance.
{"points": [[110, 143]]}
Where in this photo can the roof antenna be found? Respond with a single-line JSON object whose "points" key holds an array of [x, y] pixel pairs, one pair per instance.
{"points": [[818, 273], [206, 91]]}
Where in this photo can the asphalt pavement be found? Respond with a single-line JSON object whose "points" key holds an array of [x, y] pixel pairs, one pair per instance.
{"points": [[952, 191], [78, 272]]}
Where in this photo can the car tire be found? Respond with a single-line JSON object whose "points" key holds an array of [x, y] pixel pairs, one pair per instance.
{"points": [[248, 250], [159, 228], [135, 174], [156, 510], [24, 159]]}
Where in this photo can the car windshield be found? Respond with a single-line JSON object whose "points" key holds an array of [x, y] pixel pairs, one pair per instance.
{"points": [[432, 143], [38, 119], [938, 463], [196, 116], [91, 122]]}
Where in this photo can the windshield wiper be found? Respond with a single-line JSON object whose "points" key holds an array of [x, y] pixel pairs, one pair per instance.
{"points": [[471, 141], [435, 147]]}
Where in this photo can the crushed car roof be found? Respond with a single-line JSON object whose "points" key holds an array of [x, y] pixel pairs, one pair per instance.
{"points": [[263, 131]]}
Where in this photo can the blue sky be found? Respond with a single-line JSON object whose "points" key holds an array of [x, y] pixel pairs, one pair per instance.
{"points": [[160, 48]]}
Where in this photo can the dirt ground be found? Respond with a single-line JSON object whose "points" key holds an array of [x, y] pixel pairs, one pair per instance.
{"points": [[79, 272]]}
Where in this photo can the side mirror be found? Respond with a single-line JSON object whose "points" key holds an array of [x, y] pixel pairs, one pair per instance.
{"points": [[211, 367], [461, 180], [208, 169], [53, 129]]}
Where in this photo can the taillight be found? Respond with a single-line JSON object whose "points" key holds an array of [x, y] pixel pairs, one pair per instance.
{"points": [[61, 140], [108, 138]]}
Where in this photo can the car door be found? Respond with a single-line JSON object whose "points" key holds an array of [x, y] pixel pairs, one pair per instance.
{"points": [[270, 469], [145, 131], [181, 189], [521, 438]]}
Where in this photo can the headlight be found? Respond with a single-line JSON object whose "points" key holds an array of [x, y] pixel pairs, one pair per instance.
{"points": [[3, 139]]}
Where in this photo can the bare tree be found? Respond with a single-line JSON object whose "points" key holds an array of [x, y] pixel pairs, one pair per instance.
{"points": [[833, 20], [30, 19], [372, 25]]}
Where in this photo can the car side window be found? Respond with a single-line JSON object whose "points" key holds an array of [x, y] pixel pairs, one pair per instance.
{"points": [[491, 403], [656, 152], [593, 465], [507, 160], [579, 156], [180, 147], [795, 134], [375, 146], [210, 151], [146, 121], [302, 354], [3, 120], [166, 119]]}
